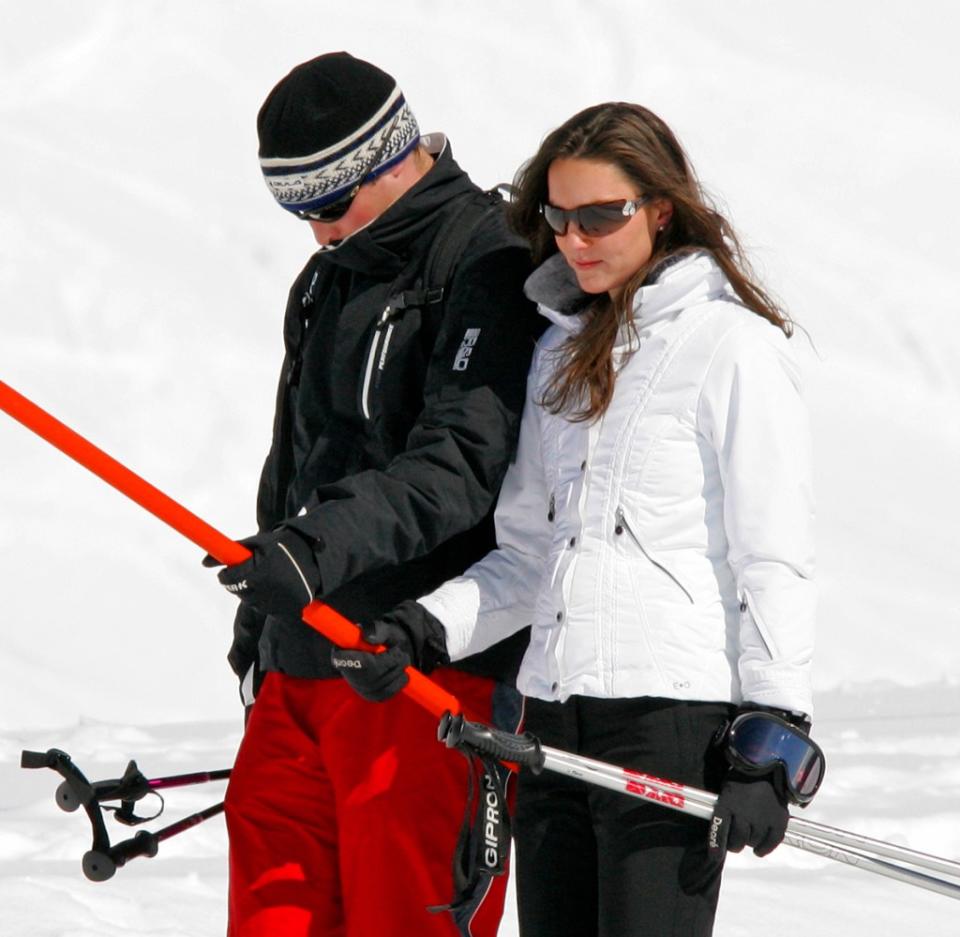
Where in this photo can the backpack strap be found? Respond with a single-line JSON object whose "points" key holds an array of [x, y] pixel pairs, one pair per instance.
{"points": [[460, 222]]}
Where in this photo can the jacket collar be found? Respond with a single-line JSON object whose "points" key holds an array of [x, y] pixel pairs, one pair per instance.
{"points": [[680, 281], [385, 246]]}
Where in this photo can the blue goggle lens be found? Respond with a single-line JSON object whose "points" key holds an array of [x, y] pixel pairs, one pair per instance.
{"points": [[759, 742]]}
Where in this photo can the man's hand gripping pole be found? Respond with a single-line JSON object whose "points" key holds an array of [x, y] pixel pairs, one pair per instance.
{"points": [[320, 617]]}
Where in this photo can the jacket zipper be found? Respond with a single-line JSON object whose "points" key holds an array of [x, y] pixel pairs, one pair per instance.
{"points": [[376, 357], [621, 526]]}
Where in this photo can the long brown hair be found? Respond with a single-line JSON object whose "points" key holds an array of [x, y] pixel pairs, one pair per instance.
{"points": [[644, 148]]}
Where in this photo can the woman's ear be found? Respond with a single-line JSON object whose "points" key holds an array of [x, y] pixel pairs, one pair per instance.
{"points": [[663, 212]]}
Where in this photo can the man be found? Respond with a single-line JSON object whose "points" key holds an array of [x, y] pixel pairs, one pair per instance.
{"points": [[407, 346]]}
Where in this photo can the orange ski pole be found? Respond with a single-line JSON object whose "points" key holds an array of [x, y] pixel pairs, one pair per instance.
{"points": [[329, 622]]}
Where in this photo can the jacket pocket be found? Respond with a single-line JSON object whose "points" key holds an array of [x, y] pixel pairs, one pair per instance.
{"points": [[376, 359], [622, 526], [748, 607]]}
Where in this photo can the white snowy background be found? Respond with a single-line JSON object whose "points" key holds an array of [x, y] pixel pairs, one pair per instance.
{"points": [[143, 272]]}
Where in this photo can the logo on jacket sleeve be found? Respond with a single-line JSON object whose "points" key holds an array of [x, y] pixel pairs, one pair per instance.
{"points": [[462, 360]]}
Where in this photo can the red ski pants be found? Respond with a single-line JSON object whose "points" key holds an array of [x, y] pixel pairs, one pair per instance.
{"points": [[343, 815]]}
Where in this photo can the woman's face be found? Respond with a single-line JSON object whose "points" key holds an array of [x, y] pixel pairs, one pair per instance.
{"points": [[603, 264]]}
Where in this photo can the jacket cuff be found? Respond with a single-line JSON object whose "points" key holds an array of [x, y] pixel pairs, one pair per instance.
{"points": [[795, 717], [456, 605]]}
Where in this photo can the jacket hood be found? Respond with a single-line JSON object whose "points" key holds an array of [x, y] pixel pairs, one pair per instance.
{"points": [[385, 246], [679, 281]]}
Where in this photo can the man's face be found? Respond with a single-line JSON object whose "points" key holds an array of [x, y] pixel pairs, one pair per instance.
{"points": [[373, 199]]}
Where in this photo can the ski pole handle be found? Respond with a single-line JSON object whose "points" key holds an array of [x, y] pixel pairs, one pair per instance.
{"points": [[99, 865], [320, 617], [507, 747]]}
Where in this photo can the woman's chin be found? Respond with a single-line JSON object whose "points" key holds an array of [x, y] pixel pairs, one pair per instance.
{"points": [[590, 282]]}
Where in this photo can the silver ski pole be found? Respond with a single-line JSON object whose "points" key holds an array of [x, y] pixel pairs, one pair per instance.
{"points": [[877, 847], [802, 834], [798, 825], [859, 860], [526, 750]]}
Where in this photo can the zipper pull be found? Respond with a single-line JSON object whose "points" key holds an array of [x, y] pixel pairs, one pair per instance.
{"points": [[552, 511], [618, 518], [384, 317]]}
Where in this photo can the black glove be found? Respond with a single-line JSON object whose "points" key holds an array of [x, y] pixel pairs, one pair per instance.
{"points": [[412, 636], [749, 812], [247, 628], [279, 579]]}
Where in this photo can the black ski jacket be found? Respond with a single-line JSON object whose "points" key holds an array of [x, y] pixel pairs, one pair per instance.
{"points": [[397, 414]]}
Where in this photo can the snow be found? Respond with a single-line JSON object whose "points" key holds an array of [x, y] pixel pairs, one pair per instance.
{"points": [[143, 269]]}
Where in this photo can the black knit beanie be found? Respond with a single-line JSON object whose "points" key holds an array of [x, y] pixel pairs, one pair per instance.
{"points": [[332, 122]]}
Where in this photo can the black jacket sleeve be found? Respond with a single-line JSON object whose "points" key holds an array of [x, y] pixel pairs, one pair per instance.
{"points": [[447, 478]]}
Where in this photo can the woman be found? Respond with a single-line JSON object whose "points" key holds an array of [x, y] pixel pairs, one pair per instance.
{"points": [[656, 529]]}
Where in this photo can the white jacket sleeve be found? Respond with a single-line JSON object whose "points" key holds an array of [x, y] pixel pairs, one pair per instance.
{"points": [[495, 597], [752, 413]]}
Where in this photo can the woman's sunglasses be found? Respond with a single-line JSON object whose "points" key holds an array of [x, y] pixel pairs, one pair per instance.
{"points": [[595, 220]]}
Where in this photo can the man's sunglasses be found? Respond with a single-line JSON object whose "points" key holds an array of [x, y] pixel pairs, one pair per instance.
{"points": [[595, 220], [334, 211]]}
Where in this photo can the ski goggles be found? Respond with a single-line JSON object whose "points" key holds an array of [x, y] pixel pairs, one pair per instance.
{"points": [[334, 211], [759, 743], [596, 220]]}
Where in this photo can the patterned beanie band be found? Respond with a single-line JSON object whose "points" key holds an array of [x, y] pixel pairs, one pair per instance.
{"points": [[330, 124]]}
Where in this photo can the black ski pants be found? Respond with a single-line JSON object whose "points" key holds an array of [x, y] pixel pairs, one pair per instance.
{"points": [[598, 863]]}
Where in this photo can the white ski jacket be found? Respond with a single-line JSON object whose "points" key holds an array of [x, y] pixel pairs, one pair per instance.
{"points": [[666, 549]]}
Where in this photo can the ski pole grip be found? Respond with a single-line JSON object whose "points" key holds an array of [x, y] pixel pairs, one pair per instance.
{"points": [[36, 759], [99, 866], [76, 790], [456, 732]]}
